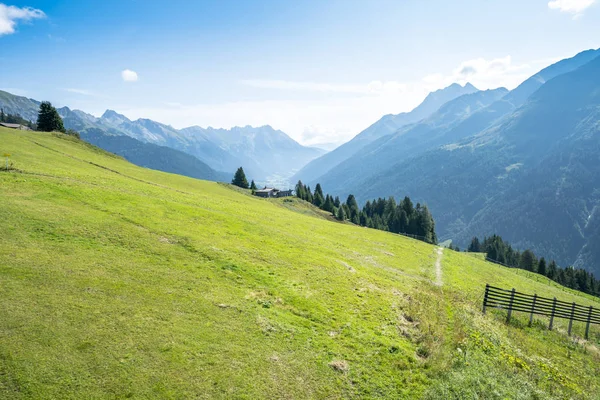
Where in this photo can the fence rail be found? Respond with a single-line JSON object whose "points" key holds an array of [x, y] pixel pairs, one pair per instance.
{"points": [[512, 300]]}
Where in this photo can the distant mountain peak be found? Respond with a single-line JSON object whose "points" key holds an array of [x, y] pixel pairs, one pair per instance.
{"points": [[112, 115]]}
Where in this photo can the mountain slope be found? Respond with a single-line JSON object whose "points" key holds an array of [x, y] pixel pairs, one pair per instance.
{"points": [[26, 108], [531, 178], [152, 156], [407, 142], [385, 126], [479, 119], [560, 173], [486, 117], [119, 281]]}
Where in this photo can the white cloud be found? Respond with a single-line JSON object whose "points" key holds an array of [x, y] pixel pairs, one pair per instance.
{"points": [[9, 15], [129, 75], [575, 7], [484, 74]]}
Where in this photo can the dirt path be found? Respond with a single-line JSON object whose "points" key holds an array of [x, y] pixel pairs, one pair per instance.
{"points": [[438, 267]]}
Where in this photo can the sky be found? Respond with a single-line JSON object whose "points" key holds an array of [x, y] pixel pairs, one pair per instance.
{"points": [[320, 70]]}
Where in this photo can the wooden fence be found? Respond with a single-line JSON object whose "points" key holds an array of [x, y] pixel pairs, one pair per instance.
{"points": [[512, 300]]}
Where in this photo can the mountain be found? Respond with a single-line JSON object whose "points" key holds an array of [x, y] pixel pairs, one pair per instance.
{"points": [[152, 156], [123, 282], [408, 141], [385, 126], [471, 123], [274, 152], [267, 155], [483, 118], [532, 177], [13, 104]]}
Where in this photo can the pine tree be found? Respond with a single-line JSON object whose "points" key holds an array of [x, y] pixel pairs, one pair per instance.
{"points": [[318, 190], [48, 119], [240, 179], [552, 271], [527, 261], [300, 192], [475, 246], [253, 186], [2, 116], [318, 199], [352, 208], [328, 206], [336, 202], [542, 266], [341, 215]]}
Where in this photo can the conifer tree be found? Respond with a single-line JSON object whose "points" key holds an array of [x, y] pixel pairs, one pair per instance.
{"points": [[328, 206], [240, 179], [300, 192], [318, 190], [336, 202], [48, 119], [253, 186], [318, 199], [475, 246], [341, 215], [541, 269], [527, 261]]}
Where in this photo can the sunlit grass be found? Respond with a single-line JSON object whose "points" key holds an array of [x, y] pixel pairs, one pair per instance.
{"points": [[118, 281]]}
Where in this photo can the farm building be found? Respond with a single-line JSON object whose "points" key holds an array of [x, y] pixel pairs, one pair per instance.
{"points": [[15, 126], [271, 192]]}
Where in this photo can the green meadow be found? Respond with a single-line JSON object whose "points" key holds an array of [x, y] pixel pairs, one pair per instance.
{"points": [[123, 282]]}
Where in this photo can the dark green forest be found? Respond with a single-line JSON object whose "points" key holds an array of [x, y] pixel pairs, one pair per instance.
{"points": [[499, 251], [383, 214]]}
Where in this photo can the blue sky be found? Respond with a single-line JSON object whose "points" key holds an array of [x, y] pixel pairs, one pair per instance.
{"points": [[319, 70]]}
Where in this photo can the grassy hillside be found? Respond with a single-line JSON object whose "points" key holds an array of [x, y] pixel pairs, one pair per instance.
{"points": [[122, 282]]}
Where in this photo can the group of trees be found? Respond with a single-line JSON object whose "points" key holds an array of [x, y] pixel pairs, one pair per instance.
{"points": [[15, 119], [382, 214], [240, 180], [502, 252]]}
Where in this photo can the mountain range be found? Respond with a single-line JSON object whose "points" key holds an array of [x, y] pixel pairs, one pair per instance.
{"points": [[522, 164], [386, 125], [266, 154]]}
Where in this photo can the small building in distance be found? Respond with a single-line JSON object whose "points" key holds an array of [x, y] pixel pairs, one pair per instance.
{"points": [[15, 126], [272, 192]]}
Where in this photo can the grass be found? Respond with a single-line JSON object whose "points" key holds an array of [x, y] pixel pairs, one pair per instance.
{"points": [[123, 282]]}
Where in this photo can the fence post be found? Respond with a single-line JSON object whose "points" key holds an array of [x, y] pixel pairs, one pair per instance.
{"points": [[552, 314], [485, 296], [571, 318], [587, 326], [532, 309], [510, 305]]}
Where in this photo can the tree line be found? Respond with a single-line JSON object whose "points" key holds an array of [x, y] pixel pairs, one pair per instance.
{"points": [[383, 214], [15, 119], [502, 252]]}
